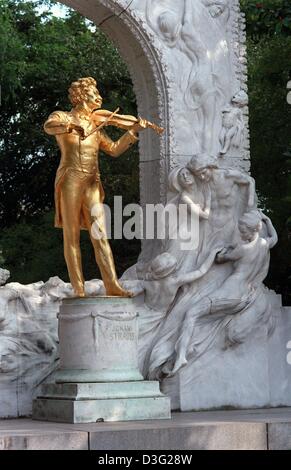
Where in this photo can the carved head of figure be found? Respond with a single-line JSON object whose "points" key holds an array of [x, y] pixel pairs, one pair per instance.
{"points": [[201, 165], [216, 7], [169, 26], [250, 225], [84, 93], [162, 266], [9, 355], [185, 178], [55, 288], [240, 99], [4, 276]]}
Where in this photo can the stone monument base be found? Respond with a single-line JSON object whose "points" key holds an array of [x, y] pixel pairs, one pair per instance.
{"points": [[95, 402], [99, 379]]}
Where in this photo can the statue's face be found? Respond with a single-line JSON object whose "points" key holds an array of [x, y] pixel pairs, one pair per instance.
{"points": [[4, 276], [204, 174], [9, 360], [215, 11], [186, 178], [93, 99], [169, 25], [216, 8], [246, 233]]}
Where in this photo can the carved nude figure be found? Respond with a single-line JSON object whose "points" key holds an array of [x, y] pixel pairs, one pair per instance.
{"points": [[238, 290], [7, 294], [161, 285], [232, 129], [233, 124], [239, 295], [182, 231], [4, 276], [179, 25], [227, 200]]}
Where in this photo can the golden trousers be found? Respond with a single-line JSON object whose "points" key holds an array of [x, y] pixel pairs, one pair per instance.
{"points": [[79, 193]]}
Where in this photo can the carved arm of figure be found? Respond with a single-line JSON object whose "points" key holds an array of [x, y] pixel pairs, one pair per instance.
{"points": [[204, 268], [205, 213], [195, 209], [228, 254], [226, 137], [244, 179], [272, 238]]}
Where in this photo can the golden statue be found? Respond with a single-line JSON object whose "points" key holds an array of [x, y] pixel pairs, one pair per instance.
{"points": [[80, 135]]}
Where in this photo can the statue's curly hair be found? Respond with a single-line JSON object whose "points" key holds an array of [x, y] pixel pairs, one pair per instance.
{"points": [[79, 89], [252, 219]]}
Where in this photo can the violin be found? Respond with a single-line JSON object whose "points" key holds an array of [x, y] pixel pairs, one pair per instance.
{"points": [[103, 117]]}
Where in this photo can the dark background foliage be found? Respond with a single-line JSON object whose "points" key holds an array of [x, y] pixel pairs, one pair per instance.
{"points": [[40, 54], [269, 57]]}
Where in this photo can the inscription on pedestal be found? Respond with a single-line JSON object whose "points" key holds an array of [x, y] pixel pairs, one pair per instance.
{"points": [[100, 336], [116, 334], [121, 333]]}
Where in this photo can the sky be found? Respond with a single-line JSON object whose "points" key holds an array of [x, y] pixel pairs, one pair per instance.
{"points": [[57, 10], [60, 10]]}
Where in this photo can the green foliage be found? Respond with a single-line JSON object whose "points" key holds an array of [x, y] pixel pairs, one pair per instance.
{"points": [[269, 17], [269, 57], [40, 55]]}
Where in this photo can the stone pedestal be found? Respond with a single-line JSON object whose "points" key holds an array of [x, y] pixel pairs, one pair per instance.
{"points": [[98, 379]]}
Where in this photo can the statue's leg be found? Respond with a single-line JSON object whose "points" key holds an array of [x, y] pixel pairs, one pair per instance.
{"points": [[182, 346], [102, 249], [70, 202]]}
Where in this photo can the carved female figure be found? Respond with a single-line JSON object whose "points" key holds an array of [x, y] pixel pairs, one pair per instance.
{"points": [[237, 307], [161, 285], [187, 208], [181, 25]]}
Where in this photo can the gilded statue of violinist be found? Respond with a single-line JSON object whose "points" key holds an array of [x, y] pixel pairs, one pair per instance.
{"points": [[80, 135]]}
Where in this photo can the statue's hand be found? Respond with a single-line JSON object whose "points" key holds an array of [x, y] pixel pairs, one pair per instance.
{"points": [[78, 129], [140, 125], [219, 259]]}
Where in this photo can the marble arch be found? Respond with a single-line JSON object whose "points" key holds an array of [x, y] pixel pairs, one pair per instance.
{"points": [[188, 81]]}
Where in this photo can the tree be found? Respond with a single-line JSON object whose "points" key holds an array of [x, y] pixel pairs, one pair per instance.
{"points": [[40, 56], [269, 52]]}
